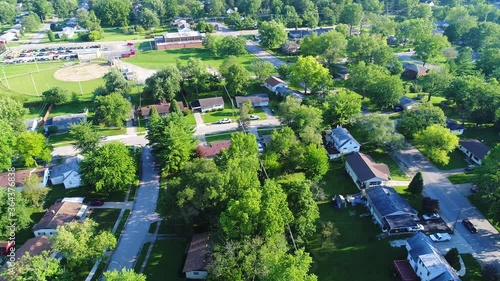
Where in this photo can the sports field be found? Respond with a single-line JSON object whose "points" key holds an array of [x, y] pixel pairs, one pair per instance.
{"points": [[22, 79]]}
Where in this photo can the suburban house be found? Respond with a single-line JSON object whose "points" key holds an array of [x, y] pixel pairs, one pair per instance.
{"points": [[64, 122], [32, 124], [390, 211], [290, 48], [339, 141], [424, 262], [412, 71], [407, 103], [454, 127], [163, 109], [298, 34], [257, 100], [67, 173], [212, 149], [179, 40], [364, 171], [57, 215], [33, 246], [21, 176], [208, 104], [273, 83], [197, 258], [5, 247], [474, 149]]}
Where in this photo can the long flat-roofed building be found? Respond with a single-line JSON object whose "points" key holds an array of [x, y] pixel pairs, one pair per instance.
{"points": [[177, 40]]}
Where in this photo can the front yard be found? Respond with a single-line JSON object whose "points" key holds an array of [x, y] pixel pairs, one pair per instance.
{"points": [[380, 156], [106, 218], [461, 178], [228, 112]]}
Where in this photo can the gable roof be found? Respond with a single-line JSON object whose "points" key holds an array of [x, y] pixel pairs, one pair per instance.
{"points": [[421, 249], [162, 108], [452, 125], [58, 214], [343, 135], [212, 149], [198, 253], [476, 147], [365, 168], [405, 101], [65, 120], [387, 201], [274, 81], [69, 164], [207, 102], [20, 176], [34, 246], [253, 98]]}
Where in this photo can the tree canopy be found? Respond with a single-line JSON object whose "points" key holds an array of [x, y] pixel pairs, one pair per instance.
{"points": [[420, 117], [341, 107], [488, 180], [56, 95], [112, 110], [164, 84], [437, 142], [272, 34], [86, 136], [31, 146], [309, 74]]}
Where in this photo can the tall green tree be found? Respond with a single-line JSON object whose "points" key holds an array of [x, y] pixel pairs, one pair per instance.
{"points": [[148, 18], [80, 242], [437, 142], [112, 12], [272, 34], [40, 267], [329, 47], [363, 76], [382, 25], [164, 84], [488, 180], [7, 141], [262, 69], [341, 107], [435, 82], [413, 30], [86, 136], [291, 17], [55, 95], [33, 192], [305, 120], [195, 76], [109, 168], [31, 146], [274, 214], [420, 117], [308, 73], [245, 109], [377, 129], [369, 49], [7, 12], [21, 213], [315, 162], [31, 22], [112, 110], [386, 91], [115, 82], [416, 185], [42, 8], [430, 46], [352, 14], [237, 79], [64, 8]]}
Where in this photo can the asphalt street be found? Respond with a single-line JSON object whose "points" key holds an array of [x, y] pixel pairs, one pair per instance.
{"points": [[262, 54], [143, 214]]}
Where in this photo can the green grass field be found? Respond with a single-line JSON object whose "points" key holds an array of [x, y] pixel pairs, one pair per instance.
{"points": [[483, 205], [158, 59], [457, 161], [19, 78], [106, 218], [166, 260], [415, 200]]}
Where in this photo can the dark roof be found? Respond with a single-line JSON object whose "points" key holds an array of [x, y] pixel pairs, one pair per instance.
{"points": [[405, 101], [415, 68], [208, 102], [387, 201], [162, 108], [58, 214], [212, 149], [321, 30], [20, 176], [65, 120], [34, 246], [365, 168], [452, 125], [69, 164], [253, 98], [400, 221], [299, 33], [273, 81], [405, 270], [476, 147], [198, 253]]}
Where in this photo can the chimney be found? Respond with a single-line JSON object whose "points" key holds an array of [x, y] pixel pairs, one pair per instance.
{"points": [[53, 212]]}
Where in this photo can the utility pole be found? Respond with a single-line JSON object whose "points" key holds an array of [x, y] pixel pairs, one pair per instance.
{"points": [[5, 77], [34, 85]]}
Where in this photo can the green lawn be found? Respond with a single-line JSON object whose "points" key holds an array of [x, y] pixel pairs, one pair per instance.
{"points": [[166, 260], [20, 80], [415, 200], [461, 178], [483, 205], [219, 136], [457, 161], [380, 156], [58, 191], [337, 181], [227, 112], [158, 59], [24, 234], [106, 218], [121, 225], [473, 268], [142, 256], [190, 119], [67, 139]]}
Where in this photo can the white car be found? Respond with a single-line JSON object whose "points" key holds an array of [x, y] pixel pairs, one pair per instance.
{"points": [[225, 121], [431, 217], [260, 147], [440, 237], [419, 227], [253, 117]]}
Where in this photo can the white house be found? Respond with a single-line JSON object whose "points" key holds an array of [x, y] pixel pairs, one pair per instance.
{"points": [[273, 83], [197, 258], [426, 261], [20, 177], [364, 171], [208, 104], [68, 173], [454, 127], [339, 141], [474, 149], [57, 215], [257, 100]]}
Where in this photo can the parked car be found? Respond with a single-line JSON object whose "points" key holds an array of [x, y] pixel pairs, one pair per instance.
{"points": [[398, 108], [103, 138], [474, 189], [253, 117], [260, 147], [431, 217], [440, 237], [96, 203], [419, 227], [469, 226], [225, 121]]}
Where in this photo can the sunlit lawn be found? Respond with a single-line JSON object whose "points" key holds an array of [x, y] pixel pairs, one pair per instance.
{"points": [[106, 218], [166, 260], [461, 178]]}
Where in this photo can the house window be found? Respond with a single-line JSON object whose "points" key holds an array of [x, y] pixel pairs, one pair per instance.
{"points": [[196, 273], [355, 147]]}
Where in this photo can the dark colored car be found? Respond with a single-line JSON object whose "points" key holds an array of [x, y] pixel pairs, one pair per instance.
{"points": [[469, 226], [398, 108], [473, 189], [96, 203]]}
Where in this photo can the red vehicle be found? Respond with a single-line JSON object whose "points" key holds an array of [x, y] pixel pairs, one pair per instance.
{"points": [[96, 203], [132, 53], [130, 44], [125, 56]]}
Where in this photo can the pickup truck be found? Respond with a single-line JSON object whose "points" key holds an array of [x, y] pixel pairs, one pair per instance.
{"points": [[440, 237]]}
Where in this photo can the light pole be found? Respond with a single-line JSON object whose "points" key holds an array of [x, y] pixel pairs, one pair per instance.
{"points": [[458, 216]]}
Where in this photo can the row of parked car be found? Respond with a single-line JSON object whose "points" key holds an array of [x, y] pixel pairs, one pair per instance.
{"points": [[46, 54]]}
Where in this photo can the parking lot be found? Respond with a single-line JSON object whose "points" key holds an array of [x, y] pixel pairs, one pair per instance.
{"points": [[45, 54]]}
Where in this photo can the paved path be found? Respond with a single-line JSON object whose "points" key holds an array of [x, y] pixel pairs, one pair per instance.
{"points": [[143, 214], [262, 54], [455, 207], [408, 56]]}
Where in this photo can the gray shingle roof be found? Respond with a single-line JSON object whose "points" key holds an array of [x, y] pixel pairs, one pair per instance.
{"points": [[69, 164], [65, 120], [365, 168], [257, 98], [387, 201], [476, 147]]}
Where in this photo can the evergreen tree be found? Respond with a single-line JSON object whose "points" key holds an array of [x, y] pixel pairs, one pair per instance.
{"points": [[417, 184]]}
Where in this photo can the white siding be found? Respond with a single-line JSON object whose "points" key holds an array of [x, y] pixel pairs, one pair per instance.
{"points": [[196, 274], [57, 180], [73, 180]]}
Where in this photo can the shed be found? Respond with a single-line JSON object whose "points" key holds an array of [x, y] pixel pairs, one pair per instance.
{"points": [[339, 202]]}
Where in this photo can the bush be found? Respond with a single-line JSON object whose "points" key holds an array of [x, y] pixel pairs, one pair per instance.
{"points": [[53, 129], [453, 258], [186, 111], [429, 205]]}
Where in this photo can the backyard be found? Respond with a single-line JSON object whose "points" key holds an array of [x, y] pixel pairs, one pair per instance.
{"points": [[166, 260]]}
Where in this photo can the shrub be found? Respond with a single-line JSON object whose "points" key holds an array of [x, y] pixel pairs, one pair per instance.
{"points": [[53, 129], [453, 258], [417, 184], [186, 111]]}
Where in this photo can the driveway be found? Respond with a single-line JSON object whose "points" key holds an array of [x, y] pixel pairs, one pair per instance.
{"points": [[143, 214], [454, 207], [262, 54]]}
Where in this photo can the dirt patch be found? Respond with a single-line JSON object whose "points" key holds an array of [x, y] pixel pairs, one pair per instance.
{"points": [[82, 72]]}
